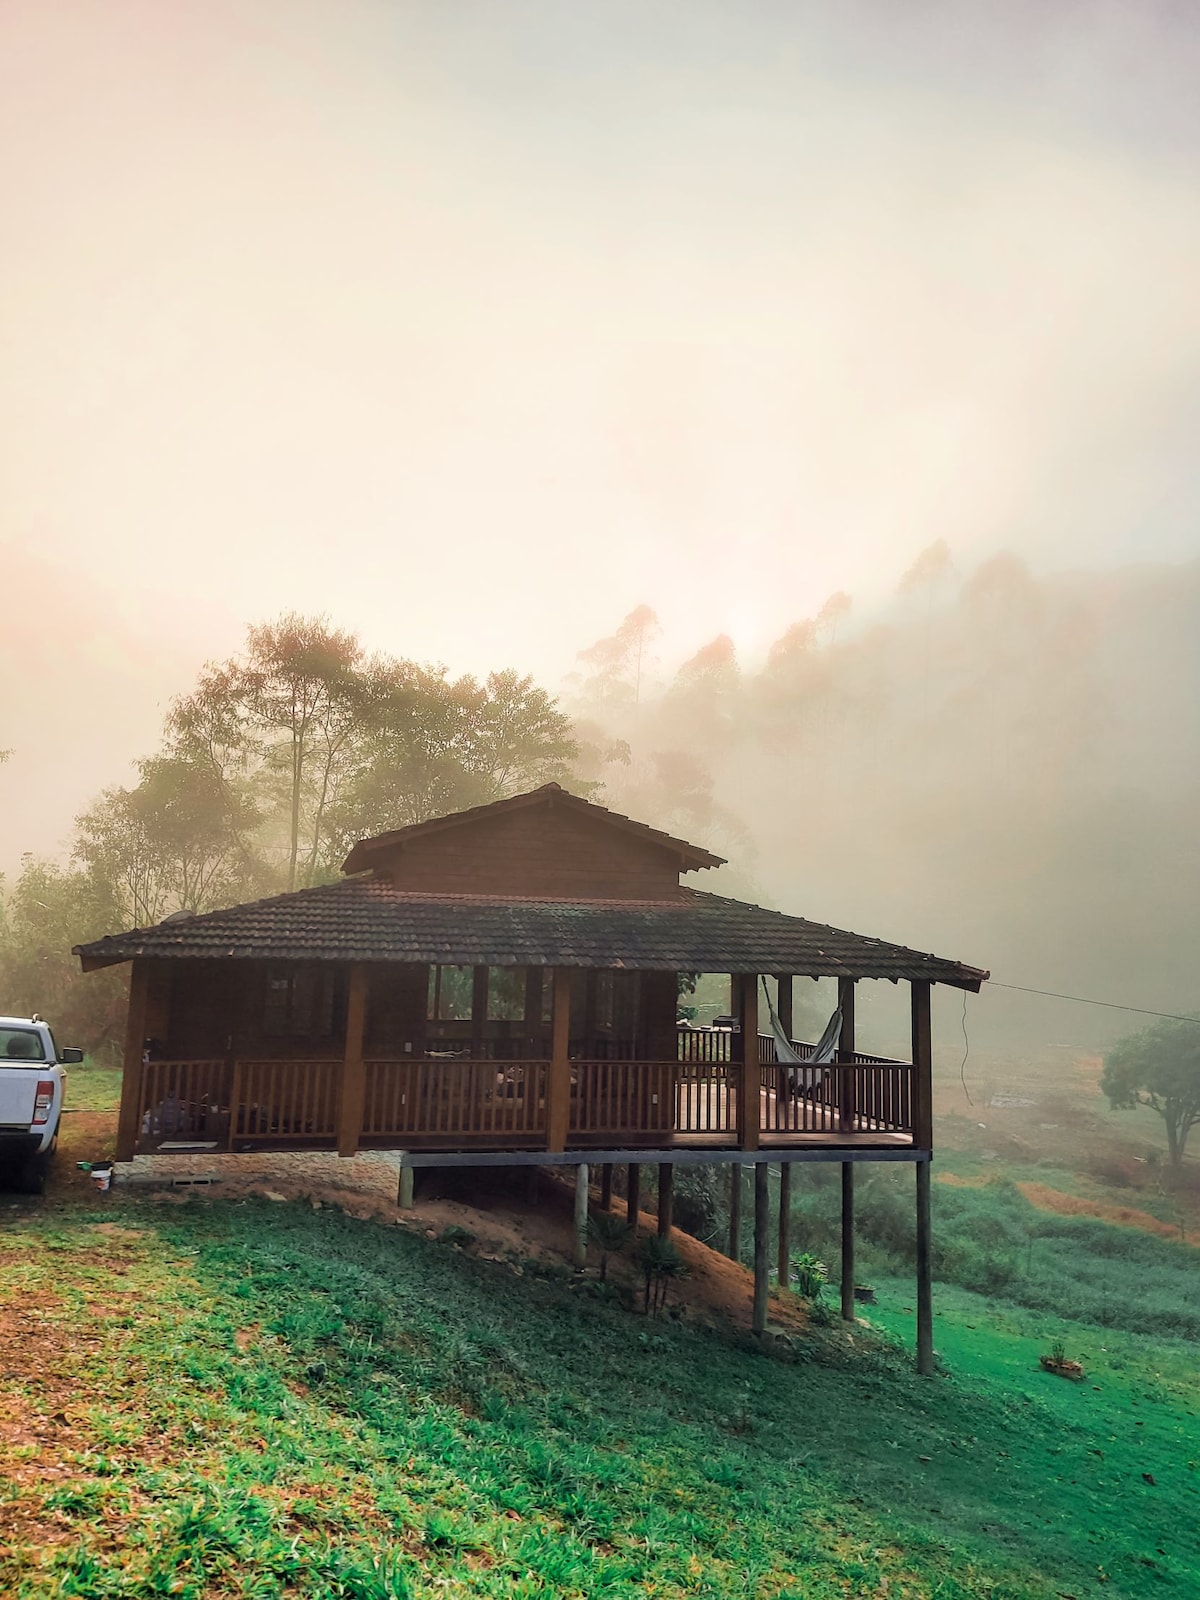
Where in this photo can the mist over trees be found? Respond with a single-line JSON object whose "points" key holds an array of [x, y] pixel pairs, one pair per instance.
{"points": [[269, 769], [997, 766]]}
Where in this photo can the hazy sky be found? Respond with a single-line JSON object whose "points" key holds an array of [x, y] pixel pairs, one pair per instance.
{"points": [[476, 324]]}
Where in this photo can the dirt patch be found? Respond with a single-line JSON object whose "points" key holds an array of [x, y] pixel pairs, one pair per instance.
{"points": [[1073, 1205], [953, 1180]]}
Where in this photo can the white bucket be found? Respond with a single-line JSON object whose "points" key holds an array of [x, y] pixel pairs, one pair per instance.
{"points": [[103, 1179]]}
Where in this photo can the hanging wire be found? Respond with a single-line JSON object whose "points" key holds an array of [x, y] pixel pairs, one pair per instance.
{"points": [[1082, 1000], [962, 1071]]}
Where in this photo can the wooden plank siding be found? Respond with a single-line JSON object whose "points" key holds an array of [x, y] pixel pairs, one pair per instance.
{"points": [[551, 851]]}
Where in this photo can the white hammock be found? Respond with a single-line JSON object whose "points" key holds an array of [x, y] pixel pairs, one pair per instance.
{"points": [[804, 1072]]}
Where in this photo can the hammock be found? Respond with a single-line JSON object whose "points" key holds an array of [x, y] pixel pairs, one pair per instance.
{"points": [[804, 1073]]}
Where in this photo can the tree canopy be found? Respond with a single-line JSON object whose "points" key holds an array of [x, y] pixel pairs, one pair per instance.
{"points": [[1159, 1067]]}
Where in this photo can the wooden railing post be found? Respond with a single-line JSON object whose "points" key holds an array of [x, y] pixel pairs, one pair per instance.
{"points": [[847, 1109], [750, 1087], [354, 1084], [129, 1120], [558, 1082], [922, 1067]]}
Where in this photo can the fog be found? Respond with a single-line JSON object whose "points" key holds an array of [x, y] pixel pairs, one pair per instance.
{"points": [[476, 326]]}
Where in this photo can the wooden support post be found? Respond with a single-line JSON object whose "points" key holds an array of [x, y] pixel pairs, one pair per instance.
{"points": [[581, 1214], [750, 1083], [845, 1057], [354, 1078], [762, 1244], [784, 1262], [129, 1122], [533, 1010], [848, 1241], [666, 1197], [922, 1067], [404, 1193], [479, 1010], [633, 1195], [924, 1275], [558, 1086], [606, 1186], [735, 1211], [783, 1004]]}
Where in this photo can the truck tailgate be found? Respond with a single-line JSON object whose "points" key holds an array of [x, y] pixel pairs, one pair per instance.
{"points": [[18, 1091]]}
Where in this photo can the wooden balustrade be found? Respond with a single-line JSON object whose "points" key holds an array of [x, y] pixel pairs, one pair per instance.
{"points": [[622, 1102], [706, 1098], [184, 1102], [419, 1102], [409, 1101], [285, 1102]]}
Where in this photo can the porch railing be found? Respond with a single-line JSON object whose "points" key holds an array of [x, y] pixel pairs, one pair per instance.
{"points": [[474, 1100], [416, 1102]]}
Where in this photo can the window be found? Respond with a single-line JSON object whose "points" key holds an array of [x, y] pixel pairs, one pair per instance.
{"points": [[299, 1000], [21, 1044], [506, 994], [450, 993]]}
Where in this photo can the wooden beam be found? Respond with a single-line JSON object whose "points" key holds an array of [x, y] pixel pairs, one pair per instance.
{"points": [[666, 1197], [404, 1192], [750, 1083], [129, 1120], [354, 1078], [558, 1086], [924, 1274], [845, 1056], [784, 1262], [479, 1009], [735, 1212], [922, 1065], [581, 1214], [606, 1186], [848, 1241], [783, 1005], [633, 1195], [762, 1244]]}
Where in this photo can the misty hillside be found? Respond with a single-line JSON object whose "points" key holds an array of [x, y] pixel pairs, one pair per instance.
{"points": [[1001, 768]]}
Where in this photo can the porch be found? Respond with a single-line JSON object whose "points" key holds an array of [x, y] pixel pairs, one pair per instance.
{"points": [[696, 1101]]}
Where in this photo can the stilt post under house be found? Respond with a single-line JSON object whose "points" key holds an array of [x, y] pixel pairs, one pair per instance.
{"points": [[666, 1197], [762, 1244], [784, 1262], [581, 1214], [633, 1195]]}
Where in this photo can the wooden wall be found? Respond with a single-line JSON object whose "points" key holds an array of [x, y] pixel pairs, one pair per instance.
{"points": [[541, 851]]}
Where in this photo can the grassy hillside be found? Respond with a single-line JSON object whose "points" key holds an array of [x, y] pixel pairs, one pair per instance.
{"points": [[255, 1399]]}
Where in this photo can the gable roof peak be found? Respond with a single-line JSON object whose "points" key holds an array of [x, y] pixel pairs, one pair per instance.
{"points": [[367, 852]]}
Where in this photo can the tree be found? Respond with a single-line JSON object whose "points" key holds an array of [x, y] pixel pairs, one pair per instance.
{"points": [[617, 662], [1160, 1068], [178, 841]]}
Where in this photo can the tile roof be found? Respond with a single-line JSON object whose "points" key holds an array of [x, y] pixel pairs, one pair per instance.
{"points": [[365, 852], [366, 919]]}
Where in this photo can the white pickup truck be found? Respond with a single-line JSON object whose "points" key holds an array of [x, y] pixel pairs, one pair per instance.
{"points": [[32, 1084]]}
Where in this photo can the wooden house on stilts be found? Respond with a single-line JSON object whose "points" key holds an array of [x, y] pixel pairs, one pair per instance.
{"points": [[500, 987]]}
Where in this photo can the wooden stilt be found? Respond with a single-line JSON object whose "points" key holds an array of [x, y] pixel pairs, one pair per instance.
{"points": [[354, 1078], [784, 1262], [666, 1197], [735, 1211], [606, 1186], [129, 1122], [848, 1241], [404, 1193], [762, 1244], [581, 1213], [924, 1275], [633, 1194]]}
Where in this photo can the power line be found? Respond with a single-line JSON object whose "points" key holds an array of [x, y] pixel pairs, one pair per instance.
{"points": [[1082, 1000]]}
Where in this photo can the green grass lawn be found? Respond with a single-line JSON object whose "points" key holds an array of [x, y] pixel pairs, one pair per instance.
{"points": [[261, 1399]]}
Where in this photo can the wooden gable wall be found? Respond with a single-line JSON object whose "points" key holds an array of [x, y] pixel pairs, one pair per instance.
{"points": [[546, 850]]}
